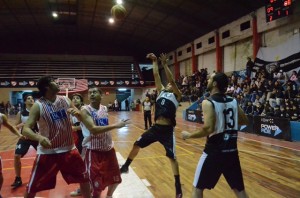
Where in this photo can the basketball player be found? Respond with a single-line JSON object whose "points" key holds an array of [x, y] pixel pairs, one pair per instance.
{"points": [[23, 145], [56, 150], [163, 129], [4, 122], [100, 156], [222, 115], [147, 108], [77, 100]]}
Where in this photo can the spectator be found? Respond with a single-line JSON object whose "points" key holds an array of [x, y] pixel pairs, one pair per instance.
{"points": [[249, 67]]}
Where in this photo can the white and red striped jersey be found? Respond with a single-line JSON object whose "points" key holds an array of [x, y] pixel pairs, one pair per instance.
{"points": [[55, 124], [99, 142]]}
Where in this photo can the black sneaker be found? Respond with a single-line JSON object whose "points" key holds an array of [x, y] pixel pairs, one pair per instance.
{"points": [[17, 183], [124, 169], [179, 195]]}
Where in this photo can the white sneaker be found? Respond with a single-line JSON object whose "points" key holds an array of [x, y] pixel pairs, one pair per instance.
{"points": [[75, 193]]}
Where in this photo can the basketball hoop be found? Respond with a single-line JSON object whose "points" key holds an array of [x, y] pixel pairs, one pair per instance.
{"points": [[66, 85], [71, 85]]}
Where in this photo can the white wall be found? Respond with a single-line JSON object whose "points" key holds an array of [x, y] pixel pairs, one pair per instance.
{"points": [[207, 60], [185, 54]]}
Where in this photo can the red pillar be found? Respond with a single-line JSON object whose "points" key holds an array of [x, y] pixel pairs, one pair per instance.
{"points": [[218, 54], [255, 41], [194, 61], [176, 66]]}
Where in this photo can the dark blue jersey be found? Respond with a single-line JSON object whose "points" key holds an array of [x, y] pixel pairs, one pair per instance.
{"points": [[166, 106]]}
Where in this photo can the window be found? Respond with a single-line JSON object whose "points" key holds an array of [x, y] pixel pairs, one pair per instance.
{"points": [[170, 57], [226, 34], [245, 25], [211, 40], [189, 49], [199, 45], [179, 53]]}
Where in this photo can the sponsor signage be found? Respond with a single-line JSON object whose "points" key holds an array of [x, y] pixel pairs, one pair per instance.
{"points": [[278, 128], [194, 116], [27, 83]]}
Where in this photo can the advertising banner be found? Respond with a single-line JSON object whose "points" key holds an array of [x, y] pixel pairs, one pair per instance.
{"points": [[278, 128], [194, 116]]}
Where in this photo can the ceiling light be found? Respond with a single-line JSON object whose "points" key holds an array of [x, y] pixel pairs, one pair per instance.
{"points": [[119, 2], [111, 20], [54, 14]]}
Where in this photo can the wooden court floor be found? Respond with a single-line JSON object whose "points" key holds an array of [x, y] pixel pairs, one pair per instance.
{"points": [[271, 168]]}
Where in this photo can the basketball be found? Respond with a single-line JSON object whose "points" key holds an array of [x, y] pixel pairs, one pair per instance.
{"points": [[118, 12]]}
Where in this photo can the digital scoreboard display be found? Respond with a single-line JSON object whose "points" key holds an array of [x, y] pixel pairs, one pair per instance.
{"points": [[276, 9]]}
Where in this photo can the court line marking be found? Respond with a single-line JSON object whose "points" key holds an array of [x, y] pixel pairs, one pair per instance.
{"points": [[245, 151], [270, 155], [157, 156], [269, 143]]}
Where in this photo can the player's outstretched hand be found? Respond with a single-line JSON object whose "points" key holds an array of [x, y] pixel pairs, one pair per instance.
{"points": [[74, 112], [123, 123], [163, 58], [185, 135], [151, 56], [45, 142]]}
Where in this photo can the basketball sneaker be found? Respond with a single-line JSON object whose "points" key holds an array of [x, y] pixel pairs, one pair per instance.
{"points": [[75, 193], [17, 183], [179, 195], [124, 169]]}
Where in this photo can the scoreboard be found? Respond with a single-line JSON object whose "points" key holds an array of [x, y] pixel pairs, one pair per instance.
{"points": [[276, 9]]}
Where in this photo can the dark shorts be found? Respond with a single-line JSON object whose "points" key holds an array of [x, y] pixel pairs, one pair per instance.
{"points": [[161, 133], [22, 146], [211, 167]]}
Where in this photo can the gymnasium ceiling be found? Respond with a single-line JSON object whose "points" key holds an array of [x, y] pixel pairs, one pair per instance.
{"points": [[26, 26]]}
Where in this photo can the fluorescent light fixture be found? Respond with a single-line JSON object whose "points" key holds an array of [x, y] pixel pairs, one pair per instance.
{"points": [[122, 89]]}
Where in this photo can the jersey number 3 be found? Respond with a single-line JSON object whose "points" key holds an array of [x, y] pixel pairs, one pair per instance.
{"points": [[228, 118]]}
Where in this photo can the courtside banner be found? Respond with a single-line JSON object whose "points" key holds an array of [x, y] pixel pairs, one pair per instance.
{"points": [[285, 57], [194, 116], [278, 128], [81, 84], [248, 128]]}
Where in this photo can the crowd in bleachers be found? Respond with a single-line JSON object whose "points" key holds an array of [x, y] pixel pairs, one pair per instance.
{"points": [[263, 94]]}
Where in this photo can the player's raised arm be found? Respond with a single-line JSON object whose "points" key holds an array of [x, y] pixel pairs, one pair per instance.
{"points": [[156, 75], [163, 58]]}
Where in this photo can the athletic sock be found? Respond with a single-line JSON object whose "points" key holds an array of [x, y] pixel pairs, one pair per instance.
{"points": [[177, 184], [128, 162]]}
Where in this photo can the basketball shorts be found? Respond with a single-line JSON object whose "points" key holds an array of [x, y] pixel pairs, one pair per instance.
{"points": [[22, 146], [210, 167], [103, 169], [46, 167], [161, 133]]}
